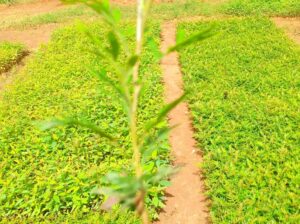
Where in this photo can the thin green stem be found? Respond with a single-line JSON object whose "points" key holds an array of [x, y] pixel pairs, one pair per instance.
{"points": [[140, 205]]}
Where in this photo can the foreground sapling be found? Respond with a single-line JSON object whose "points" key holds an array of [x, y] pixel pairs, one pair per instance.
{"points": [[130, 190]]}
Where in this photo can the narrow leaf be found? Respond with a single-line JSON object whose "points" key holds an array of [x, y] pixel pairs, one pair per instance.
{"points": [[114, 45], [164, 112], [151, 142], [132, 61], [180, 36], [163, 173], [154, 48], [102, 75], [193, 39], [72, 122], [116, 15]]}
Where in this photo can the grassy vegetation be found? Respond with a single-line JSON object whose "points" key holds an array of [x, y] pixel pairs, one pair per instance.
{"points": [[6, 1], [244, 85], [10, 54], [50, 174], [117, 216], [181, 9], [163, 11], [58, 16], [271, 7]]}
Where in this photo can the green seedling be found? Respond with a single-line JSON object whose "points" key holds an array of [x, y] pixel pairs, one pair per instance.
{"points": [[130, 190]]}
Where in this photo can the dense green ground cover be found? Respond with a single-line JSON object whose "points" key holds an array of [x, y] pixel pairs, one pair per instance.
{"points": [[9, 54], [244, 85], [267, 7], [49, 173]]}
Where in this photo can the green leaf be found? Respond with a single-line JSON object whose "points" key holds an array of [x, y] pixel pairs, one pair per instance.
{"points": [[102, 75], [94, 39], [193, 39], [164, 112], [72, 122], [165, 183], [122, 187], [102, 7], [150, 143], [116, 15], [154, 48], [163, 173], [155, 201], [180, 36], [114, 45], [132, 61]]}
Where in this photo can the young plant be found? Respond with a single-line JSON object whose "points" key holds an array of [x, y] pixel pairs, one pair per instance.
{"points": [[126, 188]]}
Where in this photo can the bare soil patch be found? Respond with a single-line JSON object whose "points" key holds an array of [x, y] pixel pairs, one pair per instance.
{"points": [[31, 38], [44, 6], [30, 9], [186, 202], [290, 25]]}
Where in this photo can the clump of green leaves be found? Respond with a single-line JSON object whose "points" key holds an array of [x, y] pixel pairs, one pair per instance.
{"points": [[116, 216], [10, 54], [244, 98]]}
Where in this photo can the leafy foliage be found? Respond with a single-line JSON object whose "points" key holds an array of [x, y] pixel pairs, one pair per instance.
{"points": [[116, 216], [269, 7], [54, 172], [9, 55], [244, 97]]}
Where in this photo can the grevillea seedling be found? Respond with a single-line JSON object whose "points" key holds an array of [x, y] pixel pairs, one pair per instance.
{"points": [[128, 189]]}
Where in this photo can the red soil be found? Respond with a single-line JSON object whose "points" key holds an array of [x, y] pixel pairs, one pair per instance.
{"points": [[186, 202]]}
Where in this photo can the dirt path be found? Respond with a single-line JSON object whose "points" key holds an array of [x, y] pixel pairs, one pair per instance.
{"points": [[291, 26], [186, 202], [31, 38], [43, 6], [30, 9]]}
